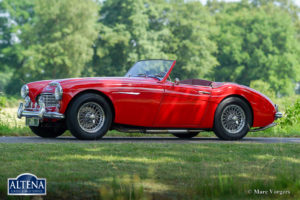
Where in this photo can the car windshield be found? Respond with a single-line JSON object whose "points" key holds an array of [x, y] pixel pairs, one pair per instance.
{"points": [[150, 68]]}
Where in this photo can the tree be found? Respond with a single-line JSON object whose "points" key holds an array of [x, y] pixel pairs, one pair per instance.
{"points": [[257, 44], [139, 29], [190, 41], [13, 15], [58, 42], [126, 36]]}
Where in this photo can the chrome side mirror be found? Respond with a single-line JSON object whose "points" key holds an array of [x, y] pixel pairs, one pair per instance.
{"points": [[176, 81]]}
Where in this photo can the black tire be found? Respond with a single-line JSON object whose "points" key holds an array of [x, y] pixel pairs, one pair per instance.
{"points": [[220, 129], [73, 123], [48, 132], [185, 135]]}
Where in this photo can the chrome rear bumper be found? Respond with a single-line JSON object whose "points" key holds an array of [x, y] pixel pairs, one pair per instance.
{"points": [[263, 128], [41, 113], [277, 114]]}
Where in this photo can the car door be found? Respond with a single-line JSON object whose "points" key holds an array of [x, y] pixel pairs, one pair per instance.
{"points": [[182, 105], [137, 101]]}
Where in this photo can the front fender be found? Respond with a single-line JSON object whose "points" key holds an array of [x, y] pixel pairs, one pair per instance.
{"points": [[71, 93]]}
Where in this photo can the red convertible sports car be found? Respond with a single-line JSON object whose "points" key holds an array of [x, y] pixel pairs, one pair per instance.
{"points": [[144, 100]]}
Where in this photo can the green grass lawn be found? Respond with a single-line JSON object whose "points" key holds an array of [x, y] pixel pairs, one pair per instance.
{"points": [[156, 171]]}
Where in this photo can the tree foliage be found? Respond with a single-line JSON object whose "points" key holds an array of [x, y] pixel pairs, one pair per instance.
{"points": [[191, 26], [257, 44], [57, 43], [147, 29], [13, 16], [249, 42]]}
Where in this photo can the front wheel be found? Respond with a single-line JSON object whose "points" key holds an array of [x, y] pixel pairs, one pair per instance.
{"points": [[233, 119], [89, 117]]}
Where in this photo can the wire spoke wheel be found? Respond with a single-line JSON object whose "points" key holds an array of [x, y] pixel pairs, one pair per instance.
{"points": [[233, 119], [91, 117]]}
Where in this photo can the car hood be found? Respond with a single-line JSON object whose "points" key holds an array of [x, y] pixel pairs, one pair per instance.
{"points": [[65, 82], [38, 87], [44, 86]]}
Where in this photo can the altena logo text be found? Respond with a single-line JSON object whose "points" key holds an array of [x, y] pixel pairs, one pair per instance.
{"points": [[26, 184]]}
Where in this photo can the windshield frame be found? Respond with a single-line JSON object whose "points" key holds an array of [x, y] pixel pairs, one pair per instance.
{"points": [[163, 79]]}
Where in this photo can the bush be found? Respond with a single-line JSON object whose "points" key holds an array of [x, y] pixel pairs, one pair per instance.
{"points": [[292, 115], [9, 101], [2, 102]]}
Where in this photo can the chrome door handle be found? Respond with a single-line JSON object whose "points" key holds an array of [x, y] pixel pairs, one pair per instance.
{"points": [[203, 92]]}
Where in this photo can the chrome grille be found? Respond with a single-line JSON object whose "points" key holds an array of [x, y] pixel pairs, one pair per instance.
{"points": [[49, 100]]}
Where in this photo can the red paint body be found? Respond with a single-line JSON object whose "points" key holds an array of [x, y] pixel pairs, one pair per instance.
{"points": [[156, 103]]}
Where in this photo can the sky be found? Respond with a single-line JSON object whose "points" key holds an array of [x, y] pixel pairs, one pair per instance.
{"points": [[204, 1]]}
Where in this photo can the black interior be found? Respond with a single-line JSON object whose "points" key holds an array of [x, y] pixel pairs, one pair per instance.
{"points": [[196, 82]]}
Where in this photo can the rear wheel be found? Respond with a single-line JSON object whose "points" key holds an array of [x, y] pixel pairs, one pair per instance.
{"points": [[185, 135], [233, 119], [89, 117], [45, 131]]}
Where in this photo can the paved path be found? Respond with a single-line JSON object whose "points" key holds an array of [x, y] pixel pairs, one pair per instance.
{"points": [[147, 140]]}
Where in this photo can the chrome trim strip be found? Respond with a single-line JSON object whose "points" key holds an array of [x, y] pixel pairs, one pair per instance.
{"points": [[47, 93], [203, 92], [131, 93], [263, 128]]}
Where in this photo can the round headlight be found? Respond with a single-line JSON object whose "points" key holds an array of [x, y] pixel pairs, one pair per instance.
{"points": [[24, 91], [58, 92]]}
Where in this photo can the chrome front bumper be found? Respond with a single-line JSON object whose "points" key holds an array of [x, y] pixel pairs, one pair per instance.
{"points": [[41, 113]]}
